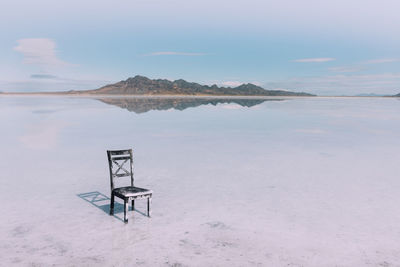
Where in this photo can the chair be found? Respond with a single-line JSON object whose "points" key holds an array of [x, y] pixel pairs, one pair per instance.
{"points": [[120, 164]]}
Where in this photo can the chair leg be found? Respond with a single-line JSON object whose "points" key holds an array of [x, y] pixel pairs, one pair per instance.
{"points": [[125, 210], [149, 206], [112, 204], [133, 204]]}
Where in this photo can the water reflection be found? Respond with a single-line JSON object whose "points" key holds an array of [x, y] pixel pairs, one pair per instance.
{"points": [[142, 105]]}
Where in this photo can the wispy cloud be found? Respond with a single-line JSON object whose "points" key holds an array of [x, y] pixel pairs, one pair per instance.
{"points": [[173, 53], [315, 60], [43, 76], [311, 131], [382, 60], [360, 66], [40, 51], [346, 69]]}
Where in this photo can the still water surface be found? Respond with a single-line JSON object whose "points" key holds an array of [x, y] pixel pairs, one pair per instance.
{"points": [[301, 181]]}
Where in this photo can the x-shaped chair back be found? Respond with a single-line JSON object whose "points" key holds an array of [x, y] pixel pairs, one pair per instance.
{"points": [[120, 163]]}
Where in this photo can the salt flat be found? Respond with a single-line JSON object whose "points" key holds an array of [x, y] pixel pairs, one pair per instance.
{"points": [[291, 182]]}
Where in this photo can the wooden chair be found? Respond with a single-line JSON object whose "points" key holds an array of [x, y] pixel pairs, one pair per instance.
{"points": [[120, 163]]}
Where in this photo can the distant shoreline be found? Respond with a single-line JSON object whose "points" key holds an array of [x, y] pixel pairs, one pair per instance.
{"points": [[83, 95], [149, 96]]}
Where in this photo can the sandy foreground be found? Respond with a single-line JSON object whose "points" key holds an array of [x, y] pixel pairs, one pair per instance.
{"points": [[307, 182]]}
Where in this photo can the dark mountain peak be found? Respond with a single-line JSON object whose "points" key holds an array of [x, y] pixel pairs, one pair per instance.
{"points": [[249, 86], [180, 81], [137, 78], [140, 77]]}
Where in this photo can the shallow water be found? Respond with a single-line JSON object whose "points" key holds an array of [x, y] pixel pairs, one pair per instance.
{"points": [[292, 181]]}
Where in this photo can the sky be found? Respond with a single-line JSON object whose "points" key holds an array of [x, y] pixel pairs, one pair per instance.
{"points": [[322, 47]]}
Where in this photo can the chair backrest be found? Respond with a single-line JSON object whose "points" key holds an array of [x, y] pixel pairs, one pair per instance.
{"points": [[120, 164]]}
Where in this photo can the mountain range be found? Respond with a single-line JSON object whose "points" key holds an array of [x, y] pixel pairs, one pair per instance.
{"points": [[140, 85]]}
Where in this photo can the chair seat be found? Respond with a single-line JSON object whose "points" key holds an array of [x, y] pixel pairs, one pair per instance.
{"points": [[131, 191]]}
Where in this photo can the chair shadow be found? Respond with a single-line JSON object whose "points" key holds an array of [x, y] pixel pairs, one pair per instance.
{"points": [[102, 202]]}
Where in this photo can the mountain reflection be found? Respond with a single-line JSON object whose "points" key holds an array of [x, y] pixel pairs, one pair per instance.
{"points": [[142, 105]]}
